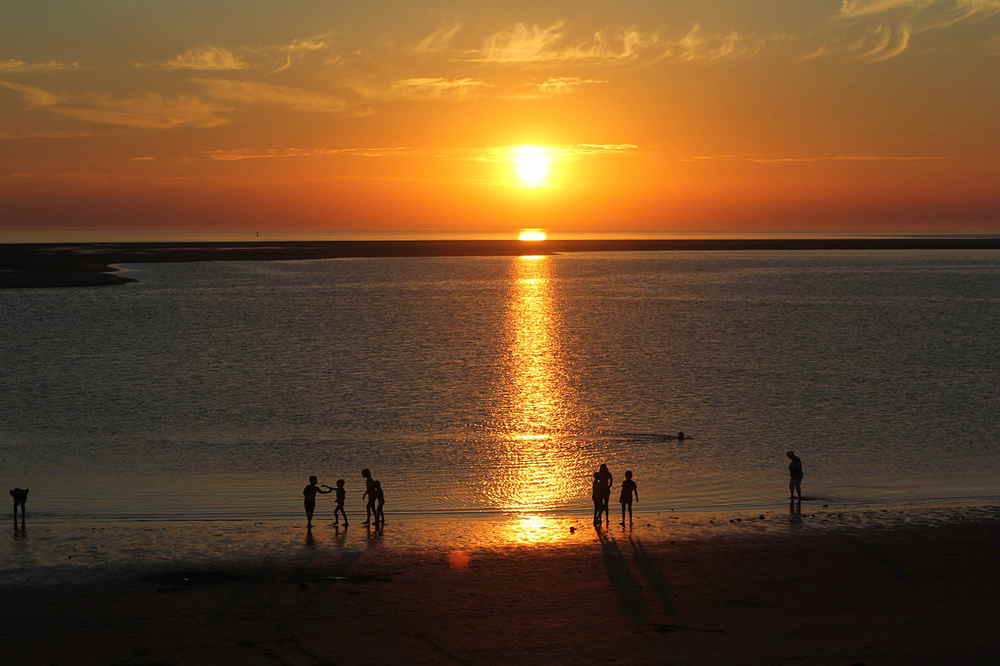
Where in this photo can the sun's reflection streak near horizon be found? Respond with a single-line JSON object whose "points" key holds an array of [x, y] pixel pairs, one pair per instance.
{"points": [[535, 469]]}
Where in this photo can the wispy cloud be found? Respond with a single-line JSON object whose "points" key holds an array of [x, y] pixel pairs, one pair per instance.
{"points": [[883, 43], [877, 43], [150, 111], [205, 59], [32, 97], [562, 85], [6, 135], [249, 92], [16, 65], [439, 40], [557, 152], [702, 47], [142, 158], [874, 31], [296, 48], [239, 154], [431, 88], [800, 159], [523, 43], [923, 15], [938, 13]]}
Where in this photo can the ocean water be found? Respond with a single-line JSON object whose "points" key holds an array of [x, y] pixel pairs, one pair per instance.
{"points": [[496, 386]]}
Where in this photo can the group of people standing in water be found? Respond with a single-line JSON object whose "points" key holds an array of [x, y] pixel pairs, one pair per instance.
{"points": [[374, 498]]}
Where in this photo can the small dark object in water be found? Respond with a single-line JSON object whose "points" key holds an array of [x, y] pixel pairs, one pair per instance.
{"points": [[572, 530]]}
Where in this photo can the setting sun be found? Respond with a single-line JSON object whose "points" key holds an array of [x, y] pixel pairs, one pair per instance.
{"points": [[531, 164], [532, 235]]}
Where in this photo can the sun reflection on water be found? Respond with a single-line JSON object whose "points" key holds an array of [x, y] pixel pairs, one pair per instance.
{"points": [[536, 455]]}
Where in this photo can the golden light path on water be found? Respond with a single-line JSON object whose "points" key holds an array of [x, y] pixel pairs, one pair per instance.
{"points": [[537, 462]]}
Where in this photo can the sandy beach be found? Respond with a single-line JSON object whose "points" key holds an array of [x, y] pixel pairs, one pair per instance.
{"points": [[916, 592]]}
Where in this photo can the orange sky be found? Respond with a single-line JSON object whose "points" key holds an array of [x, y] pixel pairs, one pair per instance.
{"points": [[783, 115]]}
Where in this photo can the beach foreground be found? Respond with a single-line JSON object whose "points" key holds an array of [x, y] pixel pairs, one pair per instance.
{"points": [[907, 595]]}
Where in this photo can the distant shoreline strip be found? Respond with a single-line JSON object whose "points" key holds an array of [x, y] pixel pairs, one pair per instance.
{"points": [[92, 264]]}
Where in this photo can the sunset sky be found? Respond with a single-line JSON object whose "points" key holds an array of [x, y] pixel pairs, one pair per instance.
{"points": [[335, 117]]}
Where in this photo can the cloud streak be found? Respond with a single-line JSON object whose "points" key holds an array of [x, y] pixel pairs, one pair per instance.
{"points": [[562, 85], [205, 59], [254, 93], [149, 111], [809, 159], [439, 40], [17, 66], [32, 97], [240, 154], [297, 48], [523, 43]]}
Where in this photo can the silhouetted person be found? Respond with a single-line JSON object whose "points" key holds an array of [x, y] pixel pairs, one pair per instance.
{"points": [[20, 496], [369, 494], [379, 503], [629, 488], [795, 475], [606, 481], [340, 497], [680, 436], [598, 497], [310, 492]]}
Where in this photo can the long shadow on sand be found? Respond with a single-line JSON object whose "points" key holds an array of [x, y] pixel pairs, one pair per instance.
{"points": [[627, 589]]}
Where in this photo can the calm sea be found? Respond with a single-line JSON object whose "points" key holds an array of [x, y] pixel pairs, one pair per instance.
{"points": [[482, 385]]}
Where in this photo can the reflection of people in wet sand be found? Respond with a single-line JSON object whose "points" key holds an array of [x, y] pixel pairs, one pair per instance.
{"points": [[310, 492], [369, 494], [795, 475], [341, 497], [795, 512], [629, 488], [606, 480], [379, 503], [598, 497]]}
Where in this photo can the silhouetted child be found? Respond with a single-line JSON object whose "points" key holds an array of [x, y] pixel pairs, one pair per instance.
{"points": [[629, 488], [340, 497], [795, 475], [379, 503], [20, 496], [606, 481], [595, 494], [310, 492], [369, 494]]}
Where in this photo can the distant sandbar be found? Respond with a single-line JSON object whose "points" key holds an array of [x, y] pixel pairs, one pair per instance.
{"points": [[91, 264]]}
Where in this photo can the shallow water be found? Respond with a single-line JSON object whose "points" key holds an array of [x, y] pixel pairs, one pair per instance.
{"points": [[496, 385]]}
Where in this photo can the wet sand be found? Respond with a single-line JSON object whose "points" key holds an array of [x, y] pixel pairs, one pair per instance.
{"points": [[916, 592], [90, 264]]}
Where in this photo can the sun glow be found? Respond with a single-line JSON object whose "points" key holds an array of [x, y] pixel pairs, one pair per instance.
{"points": [[531, 164], [532, 235]]}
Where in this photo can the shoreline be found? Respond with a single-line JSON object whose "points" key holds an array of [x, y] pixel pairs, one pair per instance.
{"points": [[916, 593], [92, 264], [68, 550]]}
